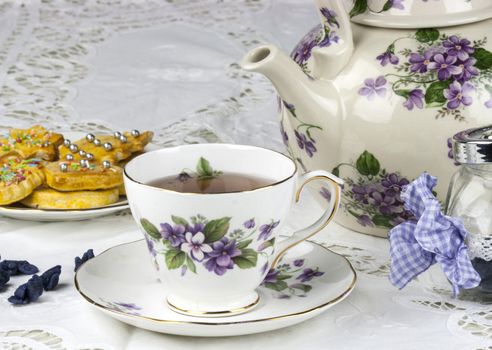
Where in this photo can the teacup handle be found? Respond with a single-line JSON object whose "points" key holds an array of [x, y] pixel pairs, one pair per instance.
{"points": [[335, 184]]}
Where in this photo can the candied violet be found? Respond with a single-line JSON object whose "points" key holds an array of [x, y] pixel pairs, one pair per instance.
{"points": [[27, 268], [87, 256], [28, 292], [9, 266], [51, 278], [18, 267], [4, 278]]}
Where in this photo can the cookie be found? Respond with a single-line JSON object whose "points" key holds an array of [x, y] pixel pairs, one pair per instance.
{"points": [[138, 140], [18, 178], [100, 151], [72, 176], [48, 198], [113, 148], [35, 142]]}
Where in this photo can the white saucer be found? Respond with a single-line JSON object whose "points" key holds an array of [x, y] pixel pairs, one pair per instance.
{"points": [[18, 211], [23, 213], [121, 282]]}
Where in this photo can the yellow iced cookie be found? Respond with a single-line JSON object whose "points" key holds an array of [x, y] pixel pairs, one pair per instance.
{"points": [[35, 142], [48, 198], [18, 178], [113, 148], [138, 140], [71, 176]]}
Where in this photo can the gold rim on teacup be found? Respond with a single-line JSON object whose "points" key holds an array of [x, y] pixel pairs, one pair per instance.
{"points": [[224, 193], [220, 280]]}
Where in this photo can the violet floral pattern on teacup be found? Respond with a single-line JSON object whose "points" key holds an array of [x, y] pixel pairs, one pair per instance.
{"points": [[184, 244], [291, 279]]}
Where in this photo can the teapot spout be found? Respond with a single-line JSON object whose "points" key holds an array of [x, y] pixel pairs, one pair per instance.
{"points": [[287, 77], [310, 104]]}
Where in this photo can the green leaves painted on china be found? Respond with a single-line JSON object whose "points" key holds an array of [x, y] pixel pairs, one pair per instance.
{"points": [[435, 93], [367, 164], [247, 259], [150, 229], [360, 6], [216, 229], [427, 35], [174, 258], [483, 57]]}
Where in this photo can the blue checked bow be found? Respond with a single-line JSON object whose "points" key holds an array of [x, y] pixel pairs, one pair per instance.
{"points": [[430, 237]]}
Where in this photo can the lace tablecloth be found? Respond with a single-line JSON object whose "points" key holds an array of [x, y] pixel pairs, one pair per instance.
{"points": [[172, 67]]}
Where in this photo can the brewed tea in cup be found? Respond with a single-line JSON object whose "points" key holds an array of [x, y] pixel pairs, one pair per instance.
{"points": [[211, 215]]}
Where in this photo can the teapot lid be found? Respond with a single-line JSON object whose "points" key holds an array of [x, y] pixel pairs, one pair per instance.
{"points": [[418, 13]]}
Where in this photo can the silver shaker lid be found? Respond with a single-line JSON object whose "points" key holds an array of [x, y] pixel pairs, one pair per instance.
{"points": [[473, 146]]}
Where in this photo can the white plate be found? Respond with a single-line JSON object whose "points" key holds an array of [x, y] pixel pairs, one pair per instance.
{"points": [[18, 211], [23, 213], [121, 282]]}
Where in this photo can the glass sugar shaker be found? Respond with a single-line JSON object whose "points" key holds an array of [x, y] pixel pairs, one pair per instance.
{"points": [[470, 197]]}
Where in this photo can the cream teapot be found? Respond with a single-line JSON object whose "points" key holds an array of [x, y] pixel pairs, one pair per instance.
{"points": [[374, 93]]}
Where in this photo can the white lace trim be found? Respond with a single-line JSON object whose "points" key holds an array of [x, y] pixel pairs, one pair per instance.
{"points": [[480, 246], [46, 50]]}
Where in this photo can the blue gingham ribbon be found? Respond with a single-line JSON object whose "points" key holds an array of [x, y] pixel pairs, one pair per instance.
{"points": [[429, 238]]}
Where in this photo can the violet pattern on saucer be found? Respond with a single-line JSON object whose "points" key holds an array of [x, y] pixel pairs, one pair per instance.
{"points": [[210, 243], [291, 279], [121, 283], [124, 307]]}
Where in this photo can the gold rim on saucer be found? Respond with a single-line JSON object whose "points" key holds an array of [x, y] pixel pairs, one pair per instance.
{"points": [[210, 314], [138, 317]]}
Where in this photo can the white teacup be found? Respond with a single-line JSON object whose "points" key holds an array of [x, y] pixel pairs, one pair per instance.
{"points": [[213, 250]]}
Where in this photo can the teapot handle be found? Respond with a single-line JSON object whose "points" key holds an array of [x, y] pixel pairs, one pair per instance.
{"points": [[337, 45], [335, 191]]}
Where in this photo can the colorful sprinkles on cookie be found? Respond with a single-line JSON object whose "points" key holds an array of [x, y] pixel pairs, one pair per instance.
{"points": [[35, 142], [38, 137], [15, 170], [38, 165]]}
